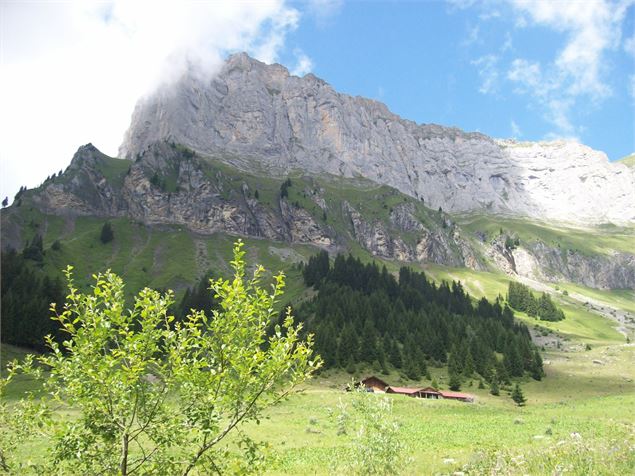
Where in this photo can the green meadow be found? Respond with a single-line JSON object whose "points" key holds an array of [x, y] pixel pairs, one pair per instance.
{"points": [[584, 404]]}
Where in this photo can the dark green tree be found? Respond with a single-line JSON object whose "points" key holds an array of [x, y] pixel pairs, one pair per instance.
{"points": [[537, 371], [107, 234], [34, 250], [517, 396], [493, 389], [411, 368], [455, 381]]}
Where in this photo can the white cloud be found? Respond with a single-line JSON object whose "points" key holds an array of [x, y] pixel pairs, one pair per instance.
{"points": [[629, 45], [303, 65], [472, 36], [488, 72], [71, 72], [578, 70], [323, 10], [516, 132], [508, 44]]}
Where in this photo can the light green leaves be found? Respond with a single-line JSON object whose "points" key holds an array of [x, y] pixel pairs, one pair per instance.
{"points": [[158, 396]]}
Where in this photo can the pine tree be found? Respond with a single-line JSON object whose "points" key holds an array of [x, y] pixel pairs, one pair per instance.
{"points": [[537, 371], [35, 250], [468, 368], [107, 235], [5, 202], [517, 396], [411, 367], [513, 361], [394, 355], [455, 381], [454, 365], [368, 349], [493, 389]]}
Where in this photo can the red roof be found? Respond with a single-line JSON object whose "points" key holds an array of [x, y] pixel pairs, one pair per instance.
{"points": [[378, 380], [430, 390], [464, 396], [404, 390]]}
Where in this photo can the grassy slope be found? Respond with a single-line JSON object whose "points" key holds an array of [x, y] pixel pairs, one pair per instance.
{"points": [[569, 400], [580, 325], [604, 239], [576, 396], [596, 401], [629, 160]]}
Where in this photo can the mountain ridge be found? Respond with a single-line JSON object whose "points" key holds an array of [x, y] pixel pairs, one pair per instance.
{"points": [[279, 122], [171, 185]]}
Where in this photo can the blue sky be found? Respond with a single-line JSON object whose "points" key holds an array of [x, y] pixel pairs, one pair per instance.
{"points": [[467, 64], [72, 72]]}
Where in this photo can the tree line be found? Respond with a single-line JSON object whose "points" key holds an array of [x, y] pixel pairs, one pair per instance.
{"points": [[363, 314], [522, 299], [27, 293]]}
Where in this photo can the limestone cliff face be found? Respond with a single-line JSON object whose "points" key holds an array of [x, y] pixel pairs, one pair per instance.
{"points": [[167, 186], [542, 262], [259, 115], [197, 201]]}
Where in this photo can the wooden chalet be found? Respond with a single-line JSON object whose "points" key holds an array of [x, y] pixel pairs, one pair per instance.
{"points": [[430, 392], [374, 384], [411, 392], [463, 397]]}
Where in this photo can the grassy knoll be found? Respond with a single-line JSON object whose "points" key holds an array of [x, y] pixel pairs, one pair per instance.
{"points": [[617, 298], [443, 436], [595, 401], [601, 240], [160, 257], [581, 325]]}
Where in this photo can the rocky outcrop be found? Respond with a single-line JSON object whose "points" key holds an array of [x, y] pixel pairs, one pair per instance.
{"points": [[196, 201], [260, 116], [440, 246], [538, 261], [615, 271]]}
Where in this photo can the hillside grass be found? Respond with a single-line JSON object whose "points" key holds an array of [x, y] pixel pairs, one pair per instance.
{"points": [[580, 324], [604, 239], [629, 160], [576, 397]]}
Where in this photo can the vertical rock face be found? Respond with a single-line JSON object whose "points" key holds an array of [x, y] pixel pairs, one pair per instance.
{"points": [[259, 116]]}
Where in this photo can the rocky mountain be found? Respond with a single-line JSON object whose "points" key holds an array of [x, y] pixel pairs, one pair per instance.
{"points": [[256, 152], [171, 185], [258, 115]]}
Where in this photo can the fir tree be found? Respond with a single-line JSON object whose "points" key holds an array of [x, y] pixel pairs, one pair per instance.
{"points": [[454, 382], [35, 250], [493, 389], [412, 369], [107, 234], [468, 368], [537, 371], [517, 396]]}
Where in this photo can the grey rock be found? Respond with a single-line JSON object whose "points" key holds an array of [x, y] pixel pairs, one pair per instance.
{"points": [[259, 115]]}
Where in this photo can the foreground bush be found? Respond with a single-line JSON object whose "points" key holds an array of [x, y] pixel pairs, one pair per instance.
{"points": [[159, 397]]}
